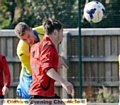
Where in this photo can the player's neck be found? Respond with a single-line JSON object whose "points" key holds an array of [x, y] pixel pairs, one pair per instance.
{"points": [[52, 39], [35, 38]]}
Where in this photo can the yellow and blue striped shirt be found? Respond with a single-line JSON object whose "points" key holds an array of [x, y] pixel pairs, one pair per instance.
{"points": [[23, 52]]}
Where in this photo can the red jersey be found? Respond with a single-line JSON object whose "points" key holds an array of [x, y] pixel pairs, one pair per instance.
{"points": [[43, 56], [4, 69]]}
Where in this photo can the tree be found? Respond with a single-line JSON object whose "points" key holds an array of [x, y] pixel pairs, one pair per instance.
{"points": [[33, 12], [64, 11]]}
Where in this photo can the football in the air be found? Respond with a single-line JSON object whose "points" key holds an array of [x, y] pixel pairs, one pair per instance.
{"points": [[94, 11]]}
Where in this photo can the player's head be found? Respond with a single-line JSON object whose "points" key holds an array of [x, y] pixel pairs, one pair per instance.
{"points": [[24, 32], [53, 27]]}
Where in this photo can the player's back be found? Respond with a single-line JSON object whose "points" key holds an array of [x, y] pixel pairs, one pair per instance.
{"points": [[40, 31]]}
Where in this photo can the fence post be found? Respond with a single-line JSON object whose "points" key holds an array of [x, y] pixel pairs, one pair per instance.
{"points": [[63, 52], [119, 75]]}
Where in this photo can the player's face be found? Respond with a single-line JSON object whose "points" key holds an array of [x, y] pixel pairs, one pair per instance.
{"points": [[60, 36], [28, 37]]}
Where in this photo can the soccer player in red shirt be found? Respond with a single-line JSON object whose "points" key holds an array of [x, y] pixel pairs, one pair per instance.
{"points": [[4, 87], [28, 36], [44, 63]]}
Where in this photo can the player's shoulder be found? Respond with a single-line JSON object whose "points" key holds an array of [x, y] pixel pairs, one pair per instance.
{"points": [[47, 44], [39, 29], [22, 43], [1, 55], [22, 46]]}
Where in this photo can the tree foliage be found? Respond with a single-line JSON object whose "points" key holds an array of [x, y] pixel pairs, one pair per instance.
{"points": [[33, 12]]}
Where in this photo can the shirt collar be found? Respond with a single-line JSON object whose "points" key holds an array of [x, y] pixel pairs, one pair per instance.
{"points": [[36, 34]]}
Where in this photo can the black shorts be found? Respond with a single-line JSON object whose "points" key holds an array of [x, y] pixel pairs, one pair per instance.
{"points": [[42, 97], [1, 97]]}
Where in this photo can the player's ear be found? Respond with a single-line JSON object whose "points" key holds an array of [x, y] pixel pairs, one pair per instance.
{"points": [[30, 29], [55, 32]]}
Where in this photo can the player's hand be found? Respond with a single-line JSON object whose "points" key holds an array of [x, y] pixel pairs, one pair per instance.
{"points": [[62, 63], [68, 87], [5, 90]]}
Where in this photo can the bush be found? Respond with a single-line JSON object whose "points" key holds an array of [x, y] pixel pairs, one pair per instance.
{"points": [[103, 95]]}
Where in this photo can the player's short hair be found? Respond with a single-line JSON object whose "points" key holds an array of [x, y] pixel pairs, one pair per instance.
{"points": [[50, 25], [20, 28]]}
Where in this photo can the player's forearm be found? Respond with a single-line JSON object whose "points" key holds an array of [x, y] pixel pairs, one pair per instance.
{"points": [[6, 72], [7, 77], [54, 75]]}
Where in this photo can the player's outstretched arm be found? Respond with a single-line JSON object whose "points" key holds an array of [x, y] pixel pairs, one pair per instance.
{"points": [[54, 75]]}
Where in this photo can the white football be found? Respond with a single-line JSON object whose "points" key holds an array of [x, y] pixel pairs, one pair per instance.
{"points": [[94, 11]]}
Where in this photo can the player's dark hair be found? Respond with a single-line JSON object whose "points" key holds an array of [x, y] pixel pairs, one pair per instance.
{"points": [[50, 25]]}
